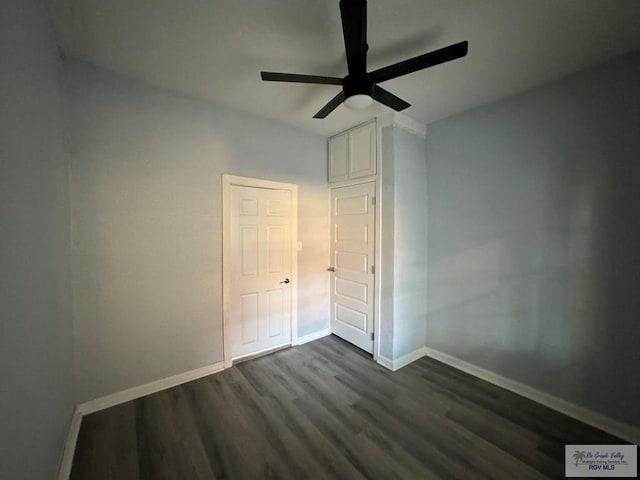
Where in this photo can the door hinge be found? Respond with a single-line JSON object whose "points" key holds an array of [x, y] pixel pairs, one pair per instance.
{"points": [[372, 336], [373, 200], [373, 269]]}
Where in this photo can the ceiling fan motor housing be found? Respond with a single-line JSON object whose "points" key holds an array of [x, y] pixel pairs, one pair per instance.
{"points": [[361, 85]]}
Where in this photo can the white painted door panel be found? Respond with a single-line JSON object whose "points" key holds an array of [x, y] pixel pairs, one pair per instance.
{"points": [[362, 151], [352, 253], [260, 304], [352, 155], [339, 158]]}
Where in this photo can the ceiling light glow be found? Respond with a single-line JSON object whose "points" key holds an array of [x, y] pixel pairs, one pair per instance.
{"points": [[358, 102]]}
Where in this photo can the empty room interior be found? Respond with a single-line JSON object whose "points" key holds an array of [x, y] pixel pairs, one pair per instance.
{"points": [[319, 239]]}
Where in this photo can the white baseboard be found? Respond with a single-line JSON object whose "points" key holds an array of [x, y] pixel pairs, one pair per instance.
{"points": [[312, 336], [614, 427], [148, 388], [121, 397], [400, 362], [408, 358], [70, 447], [385, 362]]}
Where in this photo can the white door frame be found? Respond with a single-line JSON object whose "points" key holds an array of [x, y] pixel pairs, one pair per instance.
{"points": [[227, 182], [377, 251]]}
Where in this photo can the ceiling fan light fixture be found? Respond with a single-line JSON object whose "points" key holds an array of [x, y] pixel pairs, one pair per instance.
{"points": [[359, 101], [360, 87]]}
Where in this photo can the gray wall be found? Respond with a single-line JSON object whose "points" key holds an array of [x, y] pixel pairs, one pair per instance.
{"points": [[146, 170], [410, 233], [36, 398], [534, 236], [387, 250], [403, 246]]}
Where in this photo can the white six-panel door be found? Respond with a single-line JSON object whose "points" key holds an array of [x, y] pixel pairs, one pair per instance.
{"points": [[260, 264], [352, 254]]}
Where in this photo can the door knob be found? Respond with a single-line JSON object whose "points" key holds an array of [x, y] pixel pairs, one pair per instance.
{"points": [[331, 269], [286, 280]]}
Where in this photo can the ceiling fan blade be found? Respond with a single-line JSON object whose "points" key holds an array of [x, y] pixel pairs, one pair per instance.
{"points": [[354, 29], [414, 64], [331, 106], [297, 78], [389, 99]]}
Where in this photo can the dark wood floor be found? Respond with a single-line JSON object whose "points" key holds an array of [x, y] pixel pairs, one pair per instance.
{"points": [[326, 410]]}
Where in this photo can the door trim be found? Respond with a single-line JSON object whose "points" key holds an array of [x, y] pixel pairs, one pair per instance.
{"points": [[227, 182], [377, 248]]}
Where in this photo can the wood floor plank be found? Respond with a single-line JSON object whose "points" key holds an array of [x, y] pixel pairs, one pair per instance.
{"points": [[315, 389], [440, 456], [325, 375], [325, 410], [252, 453], [333, 463], [169, 447], [277, 434], [209, 422], [369, 460], [109, 445], [486, 456]]}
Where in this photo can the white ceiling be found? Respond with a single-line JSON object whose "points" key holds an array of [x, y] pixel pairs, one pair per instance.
{"points": [[215, 49]]}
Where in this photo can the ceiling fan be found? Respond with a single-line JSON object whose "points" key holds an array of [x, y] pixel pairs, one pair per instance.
{"points": [[359, 87]]}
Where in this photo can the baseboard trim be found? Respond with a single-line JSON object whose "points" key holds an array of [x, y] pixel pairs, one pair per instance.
{"points": [[408, 358], [403, 361], [260, 353], [385, 362], [117, 398], [147, 389], [70, 446], [614, 427], [312, 336]]}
